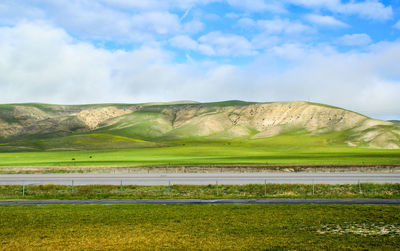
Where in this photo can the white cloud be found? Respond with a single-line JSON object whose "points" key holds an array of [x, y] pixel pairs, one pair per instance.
{"points": [[105, 20], [184, 42], [371, 9], [11, 12], [278, 25], [355, 39], [160, 22], [325, 20], [138, 4], [258, 5], [82, 18], [193, 26], [358, 81], [44, 63], [41, 63], [232, 15], [226, 44], [216, 44], [289, 51], [275, 26], [397, 25], [157, 4], [264, 41], [207, 50], [246, 22]]}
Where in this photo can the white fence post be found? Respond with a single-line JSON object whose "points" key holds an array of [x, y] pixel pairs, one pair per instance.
{"points": [[265, 187], [313, 187]]}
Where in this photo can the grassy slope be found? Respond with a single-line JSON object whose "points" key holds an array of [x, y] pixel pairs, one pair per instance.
{"points": [[397, 122], [79, 142], [204, 227], [145, 125]]}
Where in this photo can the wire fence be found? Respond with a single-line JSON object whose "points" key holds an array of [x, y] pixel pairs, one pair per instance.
{"points": [[207, 186]]}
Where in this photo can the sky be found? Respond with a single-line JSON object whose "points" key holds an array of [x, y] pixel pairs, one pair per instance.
{"points": [[342, 53]]}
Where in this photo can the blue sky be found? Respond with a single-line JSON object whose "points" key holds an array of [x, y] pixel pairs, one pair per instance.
{"points": [[344, 53]]}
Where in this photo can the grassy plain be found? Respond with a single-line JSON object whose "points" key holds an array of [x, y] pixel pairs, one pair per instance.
{"points": [[45, 192], [276, 150], [199, 227]]}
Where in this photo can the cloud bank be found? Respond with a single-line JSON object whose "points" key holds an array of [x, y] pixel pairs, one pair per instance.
{"points": [[338, 52], [41, 62]]}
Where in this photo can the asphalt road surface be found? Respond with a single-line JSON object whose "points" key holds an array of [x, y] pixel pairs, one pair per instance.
{"points": [[199, 178], [200, 201]]}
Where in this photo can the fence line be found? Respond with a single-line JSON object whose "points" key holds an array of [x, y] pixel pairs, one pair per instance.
{"points": [[313, 182], [160, 181]]}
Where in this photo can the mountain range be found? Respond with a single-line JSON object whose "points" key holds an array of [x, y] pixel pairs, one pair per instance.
{"points": [[37, 126]]}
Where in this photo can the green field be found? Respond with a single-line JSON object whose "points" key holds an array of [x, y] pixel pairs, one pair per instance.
{"points": [[276, 150], [45, 192], [199, 227]]}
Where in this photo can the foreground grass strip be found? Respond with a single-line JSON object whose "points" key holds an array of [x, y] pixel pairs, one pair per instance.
{"points": [[39, 192], [316, 201], [249, 227]]}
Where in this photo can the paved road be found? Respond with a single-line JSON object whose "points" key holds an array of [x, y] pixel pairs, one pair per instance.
{"points": [[199, 201], [200, 178]]}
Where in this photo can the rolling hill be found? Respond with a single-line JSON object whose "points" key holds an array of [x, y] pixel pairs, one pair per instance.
{"points": [[35, 126], [397, 122]]}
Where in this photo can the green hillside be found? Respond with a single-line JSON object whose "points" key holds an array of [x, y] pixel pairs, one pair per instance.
{"points": [[397, 122]]}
